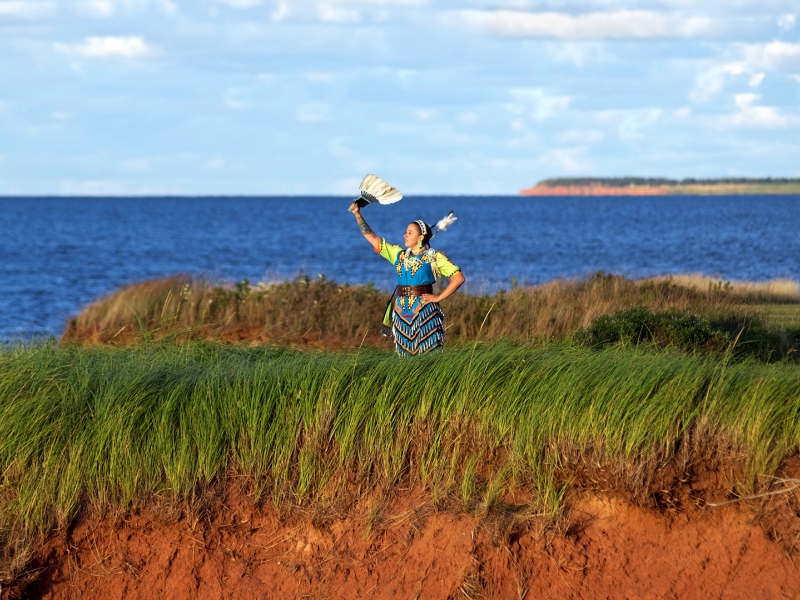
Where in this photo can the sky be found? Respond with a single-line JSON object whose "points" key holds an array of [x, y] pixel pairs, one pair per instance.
{"points": [[269, 97]]}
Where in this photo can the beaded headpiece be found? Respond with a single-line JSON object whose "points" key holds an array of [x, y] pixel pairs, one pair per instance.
{"points": [[423, 229]]}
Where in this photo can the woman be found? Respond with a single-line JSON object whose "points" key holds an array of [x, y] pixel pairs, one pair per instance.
{"points": [[416, 318]]}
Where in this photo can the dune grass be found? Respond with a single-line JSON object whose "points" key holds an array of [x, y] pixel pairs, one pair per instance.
{"points": [[307, 310], [106, 427]]}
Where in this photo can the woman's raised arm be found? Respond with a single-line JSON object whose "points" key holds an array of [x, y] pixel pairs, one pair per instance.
{"points": [[370, 235]]}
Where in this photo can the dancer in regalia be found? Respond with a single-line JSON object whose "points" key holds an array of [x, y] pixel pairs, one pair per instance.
{"points": [[416, 319]]}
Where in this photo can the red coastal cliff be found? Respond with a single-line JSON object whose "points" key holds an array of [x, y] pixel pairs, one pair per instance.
{"points": [[593, 190]]}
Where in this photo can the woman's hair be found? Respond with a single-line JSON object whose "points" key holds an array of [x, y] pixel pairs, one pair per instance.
{"points": [[424, 229]]}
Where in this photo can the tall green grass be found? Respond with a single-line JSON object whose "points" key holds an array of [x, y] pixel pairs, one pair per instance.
{"points": [[106, 427]]}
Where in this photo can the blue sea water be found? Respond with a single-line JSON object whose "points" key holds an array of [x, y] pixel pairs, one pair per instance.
{"points": [[57, 254]]}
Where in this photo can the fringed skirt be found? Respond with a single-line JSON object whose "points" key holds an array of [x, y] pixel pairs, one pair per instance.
{"points": [[417, 328]]}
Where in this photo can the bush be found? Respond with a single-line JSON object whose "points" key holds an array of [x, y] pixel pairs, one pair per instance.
{"points": [[637, 325], [743, 335]]}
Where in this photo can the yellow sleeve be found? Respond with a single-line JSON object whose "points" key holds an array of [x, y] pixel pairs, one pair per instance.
{"points": [[444, 265], [389, 251]]}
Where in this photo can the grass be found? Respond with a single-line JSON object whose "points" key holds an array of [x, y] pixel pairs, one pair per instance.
{"points": [[107, 427], [780, 315], [322, 311]]}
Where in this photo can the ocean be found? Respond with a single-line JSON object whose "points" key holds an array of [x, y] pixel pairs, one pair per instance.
{"points": [[58, 254]]}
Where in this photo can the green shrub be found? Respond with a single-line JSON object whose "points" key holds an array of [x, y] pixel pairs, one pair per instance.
{"points": [[743, 335], [637, 325]]}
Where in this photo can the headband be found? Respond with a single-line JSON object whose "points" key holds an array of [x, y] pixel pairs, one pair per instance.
{"points": [[423, 229]]}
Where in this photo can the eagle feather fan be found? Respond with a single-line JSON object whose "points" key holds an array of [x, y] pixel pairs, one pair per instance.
{"points": [[375, 189]]}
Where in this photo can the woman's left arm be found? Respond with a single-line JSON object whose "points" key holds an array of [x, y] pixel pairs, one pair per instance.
{"points": [[456, 281]]}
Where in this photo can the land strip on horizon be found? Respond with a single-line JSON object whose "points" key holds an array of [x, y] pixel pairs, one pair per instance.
{"points": [[658, 186]]}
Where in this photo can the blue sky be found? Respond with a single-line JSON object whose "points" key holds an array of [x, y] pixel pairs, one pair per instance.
{"points": [[305, 97]]}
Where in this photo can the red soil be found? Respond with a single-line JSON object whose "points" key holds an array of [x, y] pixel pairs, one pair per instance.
{"points": [[607, 547], [253, 335], [594, 190]]}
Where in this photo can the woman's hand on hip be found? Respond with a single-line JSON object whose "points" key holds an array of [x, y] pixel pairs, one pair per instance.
{"points": [[428, 298]]}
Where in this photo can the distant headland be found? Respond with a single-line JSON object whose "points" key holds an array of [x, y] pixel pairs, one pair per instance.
{"points": [[659, 186]]}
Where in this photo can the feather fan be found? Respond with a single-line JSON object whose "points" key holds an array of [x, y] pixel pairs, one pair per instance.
{"points": [[375, 189]]}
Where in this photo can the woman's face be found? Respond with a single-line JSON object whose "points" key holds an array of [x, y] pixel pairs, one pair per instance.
{"points": [[412, 235]]}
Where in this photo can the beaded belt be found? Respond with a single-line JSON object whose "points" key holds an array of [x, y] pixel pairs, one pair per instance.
{"points": [[410, 291]]}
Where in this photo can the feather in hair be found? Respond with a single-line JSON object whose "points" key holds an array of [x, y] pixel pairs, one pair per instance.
{"points": [[446, 222]]}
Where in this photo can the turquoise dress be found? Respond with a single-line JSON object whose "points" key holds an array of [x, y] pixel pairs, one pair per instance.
{"points": [[417, 327]]}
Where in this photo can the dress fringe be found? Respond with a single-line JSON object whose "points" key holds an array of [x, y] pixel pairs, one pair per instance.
{"points": [[418, 328]]}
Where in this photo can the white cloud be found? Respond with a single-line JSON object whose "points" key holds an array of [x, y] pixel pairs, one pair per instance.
{"points": [[683, 113], [379, 2], [755, 60], [281, 11], [136, 164], [631, 123], [104, 187], [26, 9], [345, 186], [168, 7], [527, 139], [577, 53], [241, 3], [541, 106], [97, 8], [337, 14], [787, 21], [576, 136], [112, 187], [468, 117], [597, 25], [232, 100], [107, 47], [712, 80], [567, 160], [313, 112], [336, 11], [396, 129], [320, 77], [106, 8], [762, 117], [774, 56]]}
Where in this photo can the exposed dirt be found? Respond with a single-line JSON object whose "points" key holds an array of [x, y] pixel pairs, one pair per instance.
{"points": [[606, 547], [697, 189], [595, 190], [254, 335]]}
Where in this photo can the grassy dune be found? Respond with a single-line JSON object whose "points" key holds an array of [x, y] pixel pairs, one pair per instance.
{"points": [[318, 310], [108, 427]]}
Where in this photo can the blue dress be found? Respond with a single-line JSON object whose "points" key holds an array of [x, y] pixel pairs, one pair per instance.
{"points": [[417, 327]]}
